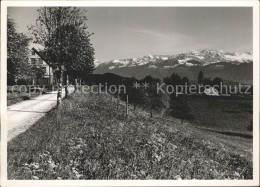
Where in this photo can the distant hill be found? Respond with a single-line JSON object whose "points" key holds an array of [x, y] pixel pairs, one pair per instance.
{"points": [[235, 67], [109, 78]]}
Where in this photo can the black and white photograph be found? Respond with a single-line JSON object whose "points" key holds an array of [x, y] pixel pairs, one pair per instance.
{"points": [[130, 93]]}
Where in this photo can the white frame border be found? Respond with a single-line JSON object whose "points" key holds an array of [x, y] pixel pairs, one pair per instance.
{"points": [[253, 3]]}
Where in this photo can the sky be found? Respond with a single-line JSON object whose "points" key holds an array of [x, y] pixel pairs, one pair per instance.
{"points": [[127, 32]]}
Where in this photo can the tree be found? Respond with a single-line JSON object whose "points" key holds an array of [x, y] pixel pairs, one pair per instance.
{"points": [[179, 107], [135, 96], [200, 77], [185, 80], [63, 33], [217, 82], [176, 80], [36, 71], [151, 99], [207, 81], [178, 103], [173, 80], [75, 51], [17, 53]]}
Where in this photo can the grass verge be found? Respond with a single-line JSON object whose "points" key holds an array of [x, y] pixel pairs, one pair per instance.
{"points": [[90, 138]]}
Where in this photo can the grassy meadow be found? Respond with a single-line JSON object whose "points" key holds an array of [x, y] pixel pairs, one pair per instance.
{"points": [[88, 137], [225, 114], [227, 118]]}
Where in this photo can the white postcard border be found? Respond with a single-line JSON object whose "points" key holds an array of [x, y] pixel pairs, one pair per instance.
{"points": [[255, 181]]}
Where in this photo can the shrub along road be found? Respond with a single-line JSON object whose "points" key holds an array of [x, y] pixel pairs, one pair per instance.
{"points": [[24, 114]]}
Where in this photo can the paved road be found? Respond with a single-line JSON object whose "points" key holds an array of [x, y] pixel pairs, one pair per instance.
{"points": [[22, 115]]}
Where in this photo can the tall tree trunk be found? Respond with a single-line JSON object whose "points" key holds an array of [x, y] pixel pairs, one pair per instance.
{"points": [[66, 86], [76, 85], [126, 104], [60, 84], [80, 79]]}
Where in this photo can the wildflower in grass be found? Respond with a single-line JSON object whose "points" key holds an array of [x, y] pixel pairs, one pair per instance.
{"points": [[130, 152], [81, 152], [177, 177], [35, 178]]}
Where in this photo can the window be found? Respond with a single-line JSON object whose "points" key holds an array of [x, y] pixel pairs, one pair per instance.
{"points": [[44, 70], [33, 52], [33, 60]]}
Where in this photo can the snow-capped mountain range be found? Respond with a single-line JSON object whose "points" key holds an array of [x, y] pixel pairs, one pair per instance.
{"points": [[192, 58], [237, 67]]}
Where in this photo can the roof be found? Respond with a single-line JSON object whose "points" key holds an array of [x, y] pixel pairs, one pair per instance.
{"points": [[40, 55], [36, 46], [38, 49], [211, 91]]}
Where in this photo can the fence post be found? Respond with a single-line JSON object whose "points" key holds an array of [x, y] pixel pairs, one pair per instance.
{"points": [[127, 105], [117, 102], [66, 87], [59, 94]]}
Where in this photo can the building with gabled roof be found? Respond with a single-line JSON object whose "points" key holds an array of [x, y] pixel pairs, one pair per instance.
{"points": [[36, 58]]}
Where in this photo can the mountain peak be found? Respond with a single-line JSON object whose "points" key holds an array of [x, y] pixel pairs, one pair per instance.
{"points": [[193, 58], [150, 56], [97, 62]]}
